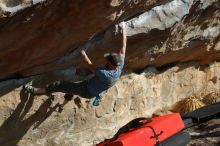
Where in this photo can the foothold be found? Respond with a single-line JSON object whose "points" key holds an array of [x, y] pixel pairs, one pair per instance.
{"points": [[214, 80]]}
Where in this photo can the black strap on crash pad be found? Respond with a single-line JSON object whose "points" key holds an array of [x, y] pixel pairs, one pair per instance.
{"points": [[156, 136], [201, 115], [138, 122]]}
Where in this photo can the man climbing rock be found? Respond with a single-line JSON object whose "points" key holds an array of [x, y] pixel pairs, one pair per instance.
{"points": [[104, 77]]}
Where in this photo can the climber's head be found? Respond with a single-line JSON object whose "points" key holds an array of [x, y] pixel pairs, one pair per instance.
{"points": [[112, 60]]}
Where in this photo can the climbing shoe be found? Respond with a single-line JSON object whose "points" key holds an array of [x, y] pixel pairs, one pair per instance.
{"points": [[96, 101], [29, 88]]}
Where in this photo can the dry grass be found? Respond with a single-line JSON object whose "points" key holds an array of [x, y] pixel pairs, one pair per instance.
{"points": [[192, 103], [188, 104]]}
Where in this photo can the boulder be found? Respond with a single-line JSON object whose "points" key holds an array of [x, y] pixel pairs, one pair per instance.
{"points": [[45, 37], [173, 52], [26, 120]]}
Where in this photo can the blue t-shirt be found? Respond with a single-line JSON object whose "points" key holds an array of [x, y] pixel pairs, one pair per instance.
{"points": [[104, 78]]}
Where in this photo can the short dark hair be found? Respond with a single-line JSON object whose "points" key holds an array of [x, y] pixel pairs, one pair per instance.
{"points": [[113, 58]]}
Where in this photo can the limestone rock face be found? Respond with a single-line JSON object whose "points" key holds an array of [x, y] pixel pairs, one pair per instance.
{"points": [[46, 36], [27, 120], [173, 43], [44, 33]]}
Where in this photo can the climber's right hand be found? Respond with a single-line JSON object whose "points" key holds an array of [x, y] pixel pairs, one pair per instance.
{"points": [[122, 25]]}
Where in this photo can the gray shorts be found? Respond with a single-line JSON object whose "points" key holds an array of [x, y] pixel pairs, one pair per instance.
{"points": [[70, 88]]}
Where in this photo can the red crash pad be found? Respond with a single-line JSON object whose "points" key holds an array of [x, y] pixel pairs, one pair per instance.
{"points": [[163, 126]]}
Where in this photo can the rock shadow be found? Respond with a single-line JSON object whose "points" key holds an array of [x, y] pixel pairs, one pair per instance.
{"points": [[19, 122], [207, 131]]}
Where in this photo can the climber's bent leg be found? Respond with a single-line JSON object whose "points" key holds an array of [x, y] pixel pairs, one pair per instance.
{"points": [[34, 90], [40, 91], [70, 88]]}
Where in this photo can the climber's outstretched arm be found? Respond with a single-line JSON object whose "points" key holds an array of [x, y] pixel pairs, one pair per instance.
{"points": [[124, 41], [88, 61]]}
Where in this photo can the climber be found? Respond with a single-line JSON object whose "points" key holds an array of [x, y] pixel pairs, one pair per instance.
{"points": [[104, 77]]}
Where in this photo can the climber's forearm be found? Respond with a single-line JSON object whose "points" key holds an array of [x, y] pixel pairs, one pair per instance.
{"points": [[86, 58], [124, 40], [88, 61], [124, 43]]}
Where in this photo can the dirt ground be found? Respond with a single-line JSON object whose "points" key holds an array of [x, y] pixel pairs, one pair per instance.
{"points": [[206, 134]]}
